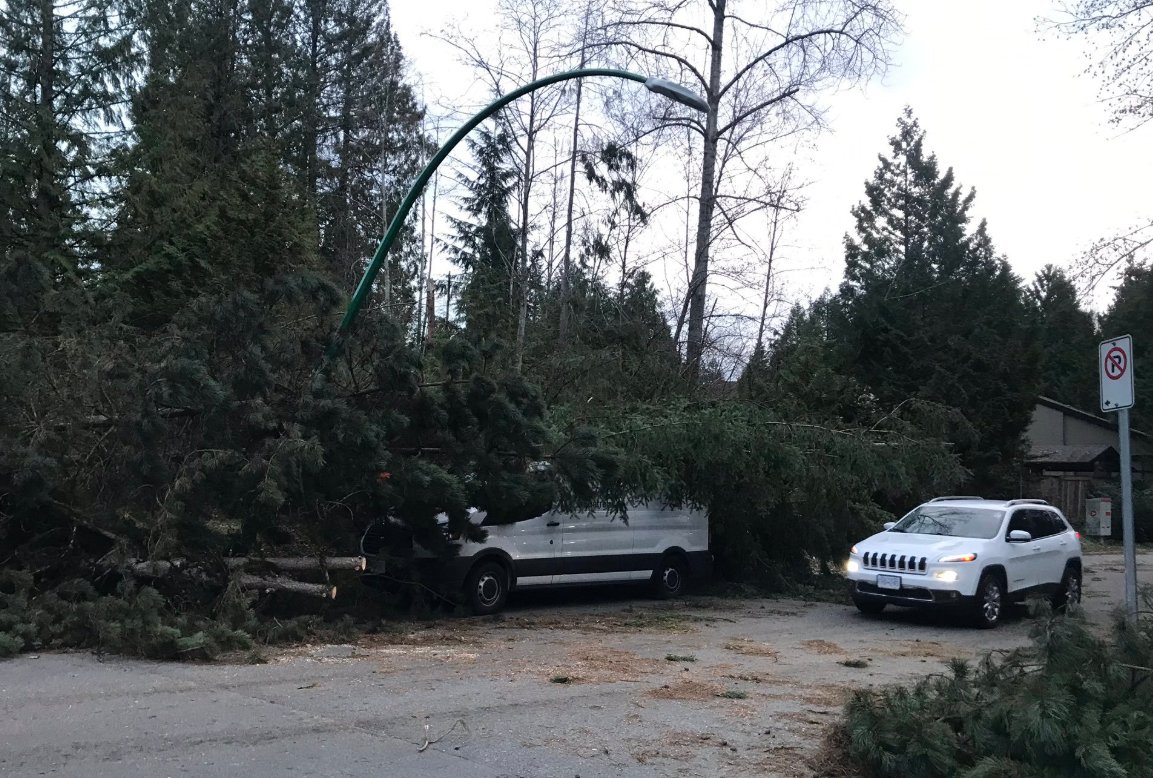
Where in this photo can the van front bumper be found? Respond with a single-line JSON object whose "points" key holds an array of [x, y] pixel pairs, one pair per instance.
{"points": [[445, 576]]}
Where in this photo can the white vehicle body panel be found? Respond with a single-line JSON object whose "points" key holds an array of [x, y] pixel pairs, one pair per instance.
{"points": [[597, 547]]}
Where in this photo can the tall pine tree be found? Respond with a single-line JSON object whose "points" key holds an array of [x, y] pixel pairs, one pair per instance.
{"points": [[1066, 341], [205, 201], [63, 64], [929, 310], [371, 148], [486, 240]]}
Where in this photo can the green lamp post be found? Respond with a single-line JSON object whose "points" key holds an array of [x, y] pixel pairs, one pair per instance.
{"points": [[660, 86]]}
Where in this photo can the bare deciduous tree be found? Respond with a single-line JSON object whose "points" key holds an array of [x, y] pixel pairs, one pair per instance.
{"points": [[1124, 60], [1122, 32], [767, 64], [1122, 35], [531, 37]]}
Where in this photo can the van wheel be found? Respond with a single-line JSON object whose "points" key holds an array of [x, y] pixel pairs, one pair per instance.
{"points": [[670, 578], [989, 604], [1069, 592], [486, 588]]}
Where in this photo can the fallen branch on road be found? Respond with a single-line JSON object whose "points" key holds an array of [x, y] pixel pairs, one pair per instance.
{"points": [[428, 742], [279, 583], [161, 567]]}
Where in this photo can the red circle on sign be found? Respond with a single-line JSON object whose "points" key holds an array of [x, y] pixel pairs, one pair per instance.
{"points": [[1116, 362]]}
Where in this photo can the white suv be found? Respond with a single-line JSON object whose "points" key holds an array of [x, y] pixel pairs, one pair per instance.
{"points": [[969, 552], [666, 547]]}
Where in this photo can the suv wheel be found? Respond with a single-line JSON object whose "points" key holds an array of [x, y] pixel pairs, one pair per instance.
{"points": [[990, 602], [486, 588], [1069, 592], [670, 578]]}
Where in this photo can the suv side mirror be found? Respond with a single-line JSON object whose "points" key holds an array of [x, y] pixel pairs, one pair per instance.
{"points": [[890, 524], [1019, 536]]}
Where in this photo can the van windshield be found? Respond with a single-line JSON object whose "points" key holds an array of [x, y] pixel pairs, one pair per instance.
{"points": [[952, 521]]}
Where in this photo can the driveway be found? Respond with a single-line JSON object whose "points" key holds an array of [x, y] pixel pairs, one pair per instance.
{"points": [[578, 683]]}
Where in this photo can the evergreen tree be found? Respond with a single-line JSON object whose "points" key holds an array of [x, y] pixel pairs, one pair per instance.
{"points": [[620, 349], [205, 203], [269, 140], [801, 376], [929, 310], [63, 67], [1066, 339], [486, 240], [1132, 314], [371, 150]]}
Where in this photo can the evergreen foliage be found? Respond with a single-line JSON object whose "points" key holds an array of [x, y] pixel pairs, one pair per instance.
{"points": [[1071, 704], [63, 67], [927, 311], [486, 240], [1067, 341], [134, 621], [782, 490], [1132, 314], [621, 352]]}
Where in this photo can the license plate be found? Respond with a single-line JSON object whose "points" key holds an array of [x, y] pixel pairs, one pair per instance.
{"points": [[888, 582]]}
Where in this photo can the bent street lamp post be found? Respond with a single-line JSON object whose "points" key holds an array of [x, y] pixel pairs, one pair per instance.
{"points": [[660, 86]]}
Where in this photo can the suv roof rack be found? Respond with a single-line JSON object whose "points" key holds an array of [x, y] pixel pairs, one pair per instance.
{"points": [[1027, 502], [956, 497]]}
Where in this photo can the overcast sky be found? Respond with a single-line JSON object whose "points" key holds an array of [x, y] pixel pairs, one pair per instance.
{"points": [[1002, 104]]}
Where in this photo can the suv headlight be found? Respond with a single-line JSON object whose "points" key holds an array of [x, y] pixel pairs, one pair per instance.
{"points": [[958, 558]]}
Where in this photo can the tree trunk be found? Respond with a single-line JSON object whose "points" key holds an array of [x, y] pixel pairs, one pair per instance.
{"points": [[277, 583], [566, 261], [311, 119], [385, 122], [426, 268], [769, 271], [526, 190], [162, 567], [297, 563], [698, 285], [552, 227], [688, 240], [47, 200]]}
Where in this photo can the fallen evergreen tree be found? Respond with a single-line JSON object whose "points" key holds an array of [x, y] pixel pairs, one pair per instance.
{"points": [[1071, 704], [217, 438]]}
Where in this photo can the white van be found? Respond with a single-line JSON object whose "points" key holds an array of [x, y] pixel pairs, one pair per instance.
{"points": [[666, 547]]}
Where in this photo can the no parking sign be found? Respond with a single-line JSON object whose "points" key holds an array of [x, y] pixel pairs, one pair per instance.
{"points": [[1115, 360]]}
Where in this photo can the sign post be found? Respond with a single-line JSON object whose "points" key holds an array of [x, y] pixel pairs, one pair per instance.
{"points": [[1115, 360]]}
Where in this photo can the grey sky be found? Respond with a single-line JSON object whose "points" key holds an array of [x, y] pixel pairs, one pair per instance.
{"points": [[1002, 104]]}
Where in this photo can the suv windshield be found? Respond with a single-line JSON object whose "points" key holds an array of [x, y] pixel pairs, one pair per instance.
{"points": [[953, 521]]}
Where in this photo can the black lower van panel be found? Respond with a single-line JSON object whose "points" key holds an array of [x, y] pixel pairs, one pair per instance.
{"points": [[448, 574]]}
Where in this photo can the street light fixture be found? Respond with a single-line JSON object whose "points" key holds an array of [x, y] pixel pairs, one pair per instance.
{"points": [[677, 93], [660, 86]]}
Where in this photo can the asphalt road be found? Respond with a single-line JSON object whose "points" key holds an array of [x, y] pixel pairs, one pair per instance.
{"points": [[767, 677]]}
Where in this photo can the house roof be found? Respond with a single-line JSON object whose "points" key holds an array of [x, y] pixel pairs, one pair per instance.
{"points": [[1068, 455], [1092, 418]]}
